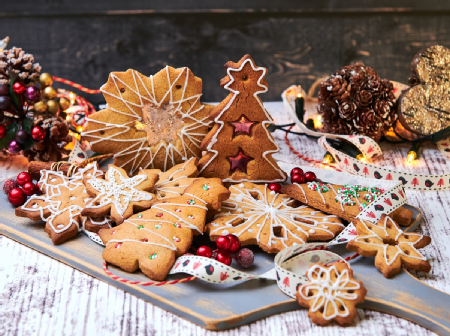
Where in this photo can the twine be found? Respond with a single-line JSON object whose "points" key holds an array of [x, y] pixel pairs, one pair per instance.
{"points": [[75, 85]]}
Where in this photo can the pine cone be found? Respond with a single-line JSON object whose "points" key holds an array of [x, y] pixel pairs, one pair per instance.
{"points": [[17, 62], [354, 100], [52, 147]]}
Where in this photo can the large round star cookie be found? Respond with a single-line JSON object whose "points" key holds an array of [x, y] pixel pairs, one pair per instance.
{"points": [[151, 122]]}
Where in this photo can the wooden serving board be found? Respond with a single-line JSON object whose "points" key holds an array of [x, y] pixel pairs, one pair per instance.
{"points": [[218, 307]]}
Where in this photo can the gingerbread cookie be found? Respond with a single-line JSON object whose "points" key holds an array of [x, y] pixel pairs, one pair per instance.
{"points": [[61, 204], [260, 216], [173, 182], [391, 246], [152, 239], [151, 122], [331, 294], [119, 195], [239, 146], [344, 201]]}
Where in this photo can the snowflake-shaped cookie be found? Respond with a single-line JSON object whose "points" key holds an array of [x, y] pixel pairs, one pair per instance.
{"points": [[260, 216], [61, 204], [331, 293], [118, 194], [150, 122], [391, 246]]}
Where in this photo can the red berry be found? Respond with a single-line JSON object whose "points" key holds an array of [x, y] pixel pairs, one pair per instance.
{"points": [[19, 88], [235, 243], [204, 251], [29, 188], [296, 170], [223, 243], [9, 185], [38, 133], [245, 258], [275, 187], [310, 177], [16, 197], [297, 178], [23, 178], [224, 258]]}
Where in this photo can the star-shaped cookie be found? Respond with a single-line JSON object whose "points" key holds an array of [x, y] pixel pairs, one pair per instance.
{"points": [[120, 195], [61, 204], [391, 246], [273, 221]]}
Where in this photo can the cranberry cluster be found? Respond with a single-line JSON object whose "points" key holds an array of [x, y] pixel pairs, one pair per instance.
{"points": [[18, 189]]}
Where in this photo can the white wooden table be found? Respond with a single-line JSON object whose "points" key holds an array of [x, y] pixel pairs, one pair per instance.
{"points": [[41, 296]]}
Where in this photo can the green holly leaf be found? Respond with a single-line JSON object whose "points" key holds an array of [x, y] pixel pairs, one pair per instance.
{"points": [[15, 99], [11, 130]]}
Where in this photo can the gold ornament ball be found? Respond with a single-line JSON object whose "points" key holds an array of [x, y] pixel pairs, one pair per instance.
{"points": [[64, 103], [40, 106], [50, 92], [45, 79], [53, 106]]}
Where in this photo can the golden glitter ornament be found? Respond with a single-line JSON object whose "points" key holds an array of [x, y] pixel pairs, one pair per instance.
{"points": [[40, 106], [64, 103], [45, 79], [424, 108], [50, 92], [53, 106]]}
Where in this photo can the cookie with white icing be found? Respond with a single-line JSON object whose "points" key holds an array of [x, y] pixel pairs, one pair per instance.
{"points": [[391, 246], [61, 204], [151, 122], [259, 216], [151, 240], [118, 195], [331, 293], [344, 201]]}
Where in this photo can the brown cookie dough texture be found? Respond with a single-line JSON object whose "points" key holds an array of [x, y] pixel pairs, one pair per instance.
{"points": [[240, 147], [118, 195], [325, 201], [391, 246], [259, 216], [151, 240], [331, 294], [151, 122], [61, 204]]}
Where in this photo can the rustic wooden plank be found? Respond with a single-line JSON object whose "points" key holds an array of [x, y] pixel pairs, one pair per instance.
{"points": [[295, 49]]}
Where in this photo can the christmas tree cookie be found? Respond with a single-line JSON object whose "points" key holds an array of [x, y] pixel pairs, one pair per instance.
{"points": [[152, 239], [239, 147]]}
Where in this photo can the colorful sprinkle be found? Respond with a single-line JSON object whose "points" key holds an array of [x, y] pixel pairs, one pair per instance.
{"points": [[206, 187], [362, 206], [317, 186], [140, 227], [113, 231], [118, 245], [159, 214], [191, 202], [176, 240], [139, 216], [177, 225], [153, 256], [144, 240], [158, 226], [191, 217], [177, 210]]}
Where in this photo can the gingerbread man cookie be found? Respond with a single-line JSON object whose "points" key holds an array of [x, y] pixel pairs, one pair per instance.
{"points": [[61, 204], [391, 246], [260, 216], [151, 122], [331, 294], [152, 239], [119, 195]]}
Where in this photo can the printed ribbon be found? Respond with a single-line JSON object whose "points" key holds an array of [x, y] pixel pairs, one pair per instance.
{"points": [[77, 155], [370, 149], [291, 263]]}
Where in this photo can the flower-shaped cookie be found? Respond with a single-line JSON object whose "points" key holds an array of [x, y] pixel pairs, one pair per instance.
{"points": [[61, 204], [120, 195], [391, 246], [151, 122], [260, 216], [331, 293]]}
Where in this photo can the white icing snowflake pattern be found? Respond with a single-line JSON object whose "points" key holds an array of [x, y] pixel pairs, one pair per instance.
{"points": [[252, 212], [120, 193], [194, 124], [329, 294]]}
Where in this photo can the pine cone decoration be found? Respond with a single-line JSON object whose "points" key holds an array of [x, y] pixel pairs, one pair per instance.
{"points": [[16, 61], [52, 147], [354, 100]]}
